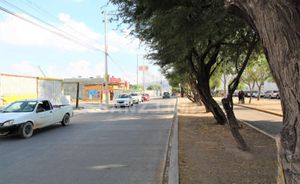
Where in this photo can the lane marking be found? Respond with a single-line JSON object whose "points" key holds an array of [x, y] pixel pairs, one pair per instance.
{"points": [[110, 166]]}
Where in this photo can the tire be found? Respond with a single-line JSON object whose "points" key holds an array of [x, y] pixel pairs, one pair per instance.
{"points": [[66, 120], [26, 130]]}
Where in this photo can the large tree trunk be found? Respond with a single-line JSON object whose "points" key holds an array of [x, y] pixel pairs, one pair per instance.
{"points": [[278, 25], [197, 97], [209, 102], [234, 128]]}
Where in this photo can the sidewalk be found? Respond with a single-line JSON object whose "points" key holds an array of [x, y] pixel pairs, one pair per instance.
{"points": [[271, 106]]}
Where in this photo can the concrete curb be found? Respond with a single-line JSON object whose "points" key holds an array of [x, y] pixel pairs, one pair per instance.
{"points": [[266, 111], [280, 177], [171, 166]]}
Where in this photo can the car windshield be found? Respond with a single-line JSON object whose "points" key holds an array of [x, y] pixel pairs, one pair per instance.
{"points": [[123, 96], [134, 94], [20, 106]]}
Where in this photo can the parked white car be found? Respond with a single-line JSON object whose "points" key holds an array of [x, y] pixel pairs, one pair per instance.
{"points": [[272, 94], [137, 98], [27, 115], [123, 100]]}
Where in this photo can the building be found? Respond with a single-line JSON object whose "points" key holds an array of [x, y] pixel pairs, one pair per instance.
{"points": [[94, 88], [17, 87]]}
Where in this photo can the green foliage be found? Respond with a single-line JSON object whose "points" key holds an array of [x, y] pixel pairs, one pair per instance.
{"points": [[134, 87], [156, 87], [215, 79], [257, 71]]}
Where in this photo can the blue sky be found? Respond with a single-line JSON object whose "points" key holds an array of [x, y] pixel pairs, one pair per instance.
{"points": [[24, 47]]}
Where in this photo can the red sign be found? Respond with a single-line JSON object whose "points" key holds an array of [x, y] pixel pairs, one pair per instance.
{"points": [[114, 80], [143, 68]]}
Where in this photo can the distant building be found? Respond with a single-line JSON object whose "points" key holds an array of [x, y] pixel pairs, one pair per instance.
{"points": [[94, 88]]}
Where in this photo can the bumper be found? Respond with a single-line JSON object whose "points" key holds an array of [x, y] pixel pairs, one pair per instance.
{"points": [[13, 128], [122, 104]]}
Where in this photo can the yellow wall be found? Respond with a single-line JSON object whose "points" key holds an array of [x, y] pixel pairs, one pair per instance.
{"points": [[9, 99]]}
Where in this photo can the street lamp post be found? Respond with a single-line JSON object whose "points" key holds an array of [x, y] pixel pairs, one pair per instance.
{"points": [[106, 67], [137, 70]]}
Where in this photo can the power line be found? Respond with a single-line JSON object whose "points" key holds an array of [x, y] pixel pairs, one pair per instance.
{"points": [[120, 68], [44, 22], [43, 11], [68, 37]]}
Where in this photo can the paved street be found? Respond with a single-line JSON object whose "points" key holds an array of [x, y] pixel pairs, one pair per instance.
{"points": [[122, 146], [267, 122]]}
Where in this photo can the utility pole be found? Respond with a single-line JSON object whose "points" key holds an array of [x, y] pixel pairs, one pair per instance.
{"points": [[137, 70], [106, 67], [143, 76]]}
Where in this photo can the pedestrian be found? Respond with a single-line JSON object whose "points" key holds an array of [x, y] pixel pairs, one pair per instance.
{"points": [[241, 96]]}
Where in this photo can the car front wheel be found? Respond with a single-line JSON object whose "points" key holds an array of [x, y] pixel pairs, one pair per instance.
{"points": [[66, 120], [26, 130]]}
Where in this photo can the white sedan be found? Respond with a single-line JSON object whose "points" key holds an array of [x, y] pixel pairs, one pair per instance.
{"points": [[27, 115], [137, 98], [123, 100]]}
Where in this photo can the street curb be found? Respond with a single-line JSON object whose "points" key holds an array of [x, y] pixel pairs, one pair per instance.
{"points": [[170, 173], [269, 112], [280, 177], [259, 130]]}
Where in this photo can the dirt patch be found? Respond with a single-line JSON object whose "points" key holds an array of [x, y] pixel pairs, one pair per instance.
{"points": [[208, 153]]}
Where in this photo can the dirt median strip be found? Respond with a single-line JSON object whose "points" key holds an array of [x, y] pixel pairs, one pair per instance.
{"points": [[208, 153]]}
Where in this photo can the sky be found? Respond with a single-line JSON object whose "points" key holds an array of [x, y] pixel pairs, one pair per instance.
{"points": [[27, 49]]}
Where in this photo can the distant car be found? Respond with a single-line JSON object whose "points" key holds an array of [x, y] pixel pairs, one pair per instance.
{"points": [[254, 93], [25, 116], [166, 95], [247, 93], [123, 100], [137, 98], [272, 94], [235, 93], [146, 97]]}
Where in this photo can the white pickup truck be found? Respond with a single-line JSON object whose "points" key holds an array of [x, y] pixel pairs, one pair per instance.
{"points": [[27, 115]]}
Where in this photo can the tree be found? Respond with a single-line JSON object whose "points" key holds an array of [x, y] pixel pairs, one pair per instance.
{"points": [[278, 25], [155, 87], [249, 79], [195, 35], [262, 72], [244, 56], [177, 32], [134, 87]]}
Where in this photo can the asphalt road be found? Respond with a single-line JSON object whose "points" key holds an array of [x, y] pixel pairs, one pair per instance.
{"points": [[119, 146], [269, 123]]}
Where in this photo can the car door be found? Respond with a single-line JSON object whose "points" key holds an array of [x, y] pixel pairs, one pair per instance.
{"points": [[44, 114]]}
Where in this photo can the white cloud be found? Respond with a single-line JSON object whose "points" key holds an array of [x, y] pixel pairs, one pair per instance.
{"points": [[72, 69], [25, 68], [17, 32], [122, 43], [84, 68]]}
